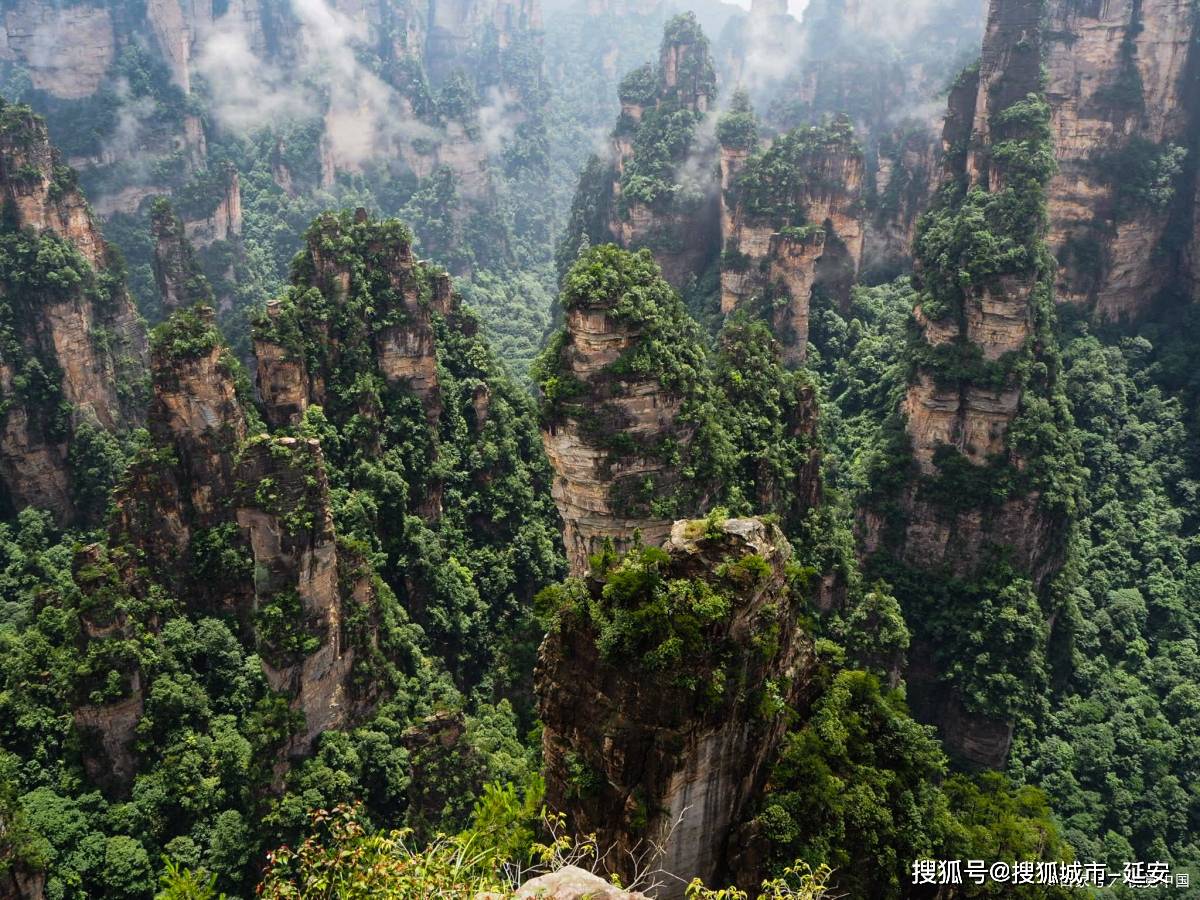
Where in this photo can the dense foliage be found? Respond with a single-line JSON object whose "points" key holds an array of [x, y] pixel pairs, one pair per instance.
{"points": [[441, 503]]}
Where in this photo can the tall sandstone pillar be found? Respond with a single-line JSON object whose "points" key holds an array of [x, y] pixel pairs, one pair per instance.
{"points": [[977, 506]]}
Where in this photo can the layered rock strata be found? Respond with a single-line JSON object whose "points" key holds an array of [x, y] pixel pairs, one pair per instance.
{"points": [[809, 229], [77, 345], [617, 447], [969, 383], [664, 763], [1121, 79]]}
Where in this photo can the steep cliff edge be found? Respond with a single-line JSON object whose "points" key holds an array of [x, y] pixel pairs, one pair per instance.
{"points": [[370, 350], [1120, 80], [979, 485], [643, 425], [383, 303], [236, 526], [75, 349], [791, 217], [657, 685]]}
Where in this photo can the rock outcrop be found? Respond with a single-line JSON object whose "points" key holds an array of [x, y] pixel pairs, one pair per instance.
{"points": [[661, 755], [1120, 79], [666, 205], [198, 418], [876, 62], [317, 586], [399, 338], [309, 604], [569, 883], [616, 436], [982, 358], [791, 217], [177, 274], [224, 223], [77, 347]]}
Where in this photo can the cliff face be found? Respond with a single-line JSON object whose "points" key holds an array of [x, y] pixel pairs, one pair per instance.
{"points": [[173, 495], [906, 171], [638, 746], [617, 432], [308, 604], [587, 484], [877, 63], [56, 375], [177, 273], [1119, 76], [791, 217], [385, 109], [979, 327], [68, 49], [301, 570], [224, 223]]}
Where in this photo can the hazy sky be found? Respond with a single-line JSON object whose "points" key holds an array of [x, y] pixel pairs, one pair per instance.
{"points": [[795, 7]]}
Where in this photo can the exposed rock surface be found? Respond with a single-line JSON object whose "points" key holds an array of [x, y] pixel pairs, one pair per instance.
{"points": [[180, 281], [879, 63], [269, 497], [593, 482], [224, 223], [956, 414], [21, 883], [56, 323], [404, 352], [680, 226], [67, 49], [290, 530], [197, 417], [1120, 75], [639, 755], [569, 883], [770, 263]]}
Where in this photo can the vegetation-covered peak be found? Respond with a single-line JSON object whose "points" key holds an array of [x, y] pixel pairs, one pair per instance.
{"points": [[187, 334], [775, 182], [737, 129], [19, 121], [627, 283], [684, 29], [640, 86]]}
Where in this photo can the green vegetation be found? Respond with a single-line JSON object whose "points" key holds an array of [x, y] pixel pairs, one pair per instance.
{"points": [[738, 127], [494, 535], [773, 184], [441, 501], [742, 434], [189, 334]]}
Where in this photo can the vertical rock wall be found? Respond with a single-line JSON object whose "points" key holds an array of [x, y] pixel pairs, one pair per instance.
{"points": [[634, 753], [1121, 82], [57, 317]]}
